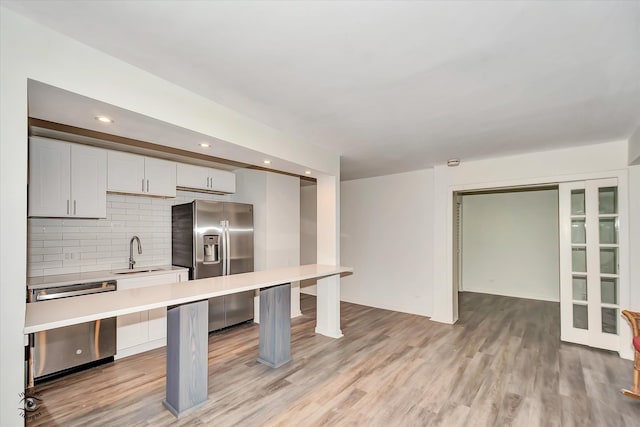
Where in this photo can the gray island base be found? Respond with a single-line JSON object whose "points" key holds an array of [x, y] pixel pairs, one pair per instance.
{"points": [[187, 349], [187, 346], [275, 325]]}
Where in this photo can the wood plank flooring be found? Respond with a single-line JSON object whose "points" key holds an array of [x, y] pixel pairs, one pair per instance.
{"points": [[502, 364]]}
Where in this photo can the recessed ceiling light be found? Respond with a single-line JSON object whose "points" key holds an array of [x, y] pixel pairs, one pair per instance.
{"points": [[453, 162], [204, 145], [307, 172], [267, 162], [104, 119]]}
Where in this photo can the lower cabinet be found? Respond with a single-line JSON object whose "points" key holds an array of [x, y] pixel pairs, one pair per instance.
{"points": [[158, 324], [145, 330]]}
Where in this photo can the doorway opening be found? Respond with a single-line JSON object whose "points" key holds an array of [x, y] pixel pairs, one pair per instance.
{"points": [[506, 244]]}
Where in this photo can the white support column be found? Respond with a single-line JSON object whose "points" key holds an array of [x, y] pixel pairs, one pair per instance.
{"points": [[445, 298], [328, 299], [328, 307], [295, 300]]}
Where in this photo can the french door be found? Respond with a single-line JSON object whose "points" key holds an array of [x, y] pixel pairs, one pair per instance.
{"points": [[590, 263]]}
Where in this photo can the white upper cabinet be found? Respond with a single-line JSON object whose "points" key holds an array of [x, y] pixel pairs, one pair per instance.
{"points": [[201, 178], [160, 176], [125, 172], [89, 181], [130, 173], [66, 180], [49, 178], [189, 176], [222, 181]]}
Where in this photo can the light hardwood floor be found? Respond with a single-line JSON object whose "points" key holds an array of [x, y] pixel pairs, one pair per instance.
{"points": [[501, 364]]}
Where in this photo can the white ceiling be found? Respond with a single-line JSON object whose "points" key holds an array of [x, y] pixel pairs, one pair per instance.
{"points": [[392, 86], [60, 106]]}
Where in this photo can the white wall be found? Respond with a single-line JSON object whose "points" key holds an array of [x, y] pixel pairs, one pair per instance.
{"points": [[31, 51], [251, 187], [283, 228], [276, 215], [308, 233], [13, 219], [386, 235], [283, 220], [510, 244]]}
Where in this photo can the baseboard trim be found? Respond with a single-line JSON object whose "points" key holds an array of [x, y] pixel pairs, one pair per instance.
{"points": [[505, 294], [141, 348]]}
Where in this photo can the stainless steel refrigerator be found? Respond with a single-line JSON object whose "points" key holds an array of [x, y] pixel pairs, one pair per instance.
{"points": [[211, 239]]}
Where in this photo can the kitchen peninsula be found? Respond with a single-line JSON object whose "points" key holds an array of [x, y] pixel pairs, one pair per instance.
{"points": [[187, 320]]}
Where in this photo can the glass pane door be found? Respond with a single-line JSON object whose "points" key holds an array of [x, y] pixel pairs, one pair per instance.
{"points": [[589, 263], [580, 318], [608, 224]]}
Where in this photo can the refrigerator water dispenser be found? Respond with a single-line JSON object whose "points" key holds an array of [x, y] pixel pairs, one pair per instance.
{"points": [[211, 248]]}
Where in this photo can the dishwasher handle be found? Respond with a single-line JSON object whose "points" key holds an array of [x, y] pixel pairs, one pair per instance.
{"points": [[43, 296]]}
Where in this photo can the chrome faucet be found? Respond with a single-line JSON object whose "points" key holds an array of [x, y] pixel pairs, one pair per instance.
{"points": [[132, 262]]}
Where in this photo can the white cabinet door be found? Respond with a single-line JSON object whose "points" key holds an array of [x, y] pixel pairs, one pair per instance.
{"points": [[138, 332], [88, 181], [160, 177], [133, 174], [200, 178], [158, 317], [222, 181], [125, 173], [66, 180], [157, 323], [49, 178], [132, 330], [189, 176]]}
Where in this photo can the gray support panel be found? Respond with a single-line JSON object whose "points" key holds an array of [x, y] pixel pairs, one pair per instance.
{"points": [[275, 325], [187, 349]]}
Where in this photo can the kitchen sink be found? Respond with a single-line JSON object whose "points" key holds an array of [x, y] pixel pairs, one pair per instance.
{"points": [[139, 270]]}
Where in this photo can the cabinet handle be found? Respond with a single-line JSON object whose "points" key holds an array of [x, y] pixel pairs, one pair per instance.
{"points": [[67, 206], [208, 182], [143, 185], [74, 207], [147, 186]]}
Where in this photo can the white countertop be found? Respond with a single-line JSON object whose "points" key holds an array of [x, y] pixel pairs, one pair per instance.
{"points": [[44, 315], [94, 276]]}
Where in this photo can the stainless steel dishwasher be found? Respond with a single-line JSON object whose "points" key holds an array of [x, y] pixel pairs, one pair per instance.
{"points": [[58, 350]]}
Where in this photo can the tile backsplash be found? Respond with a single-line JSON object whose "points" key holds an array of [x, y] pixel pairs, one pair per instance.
{"points": [[69, 245]]}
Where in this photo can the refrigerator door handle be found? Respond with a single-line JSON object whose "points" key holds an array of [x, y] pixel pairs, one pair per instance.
{"points": [[224, 247], [228, 248]]}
